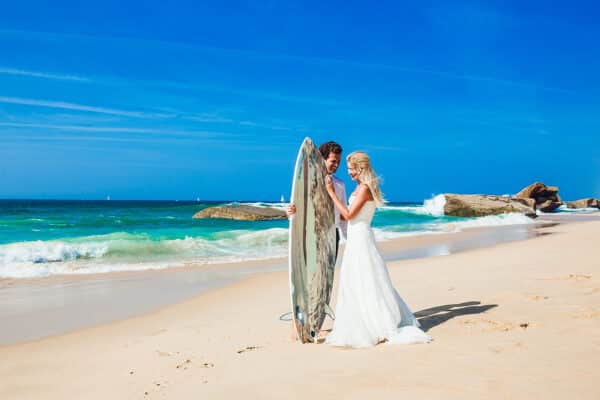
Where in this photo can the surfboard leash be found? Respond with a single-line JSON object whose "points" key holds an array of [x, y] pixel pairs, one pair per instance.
{"points": [[286, 317]]}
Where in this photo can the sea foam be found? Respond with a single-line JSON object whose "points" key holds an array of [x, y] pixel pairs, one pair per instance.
{"points": [[488, 221], [49, 251], [123, 251], [435, 205], [564, 208], [388, 233], [431, 207]]}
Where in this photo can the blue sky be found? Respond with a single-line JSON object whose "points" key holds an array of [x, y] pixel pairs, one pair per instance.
{"points": [[178, 100]]}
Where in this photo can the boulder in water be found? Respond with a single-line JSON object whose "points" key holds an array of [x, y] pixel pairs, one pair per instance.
{"points": [[546, 197], [477, 205], [242, 212], [584, 203]]}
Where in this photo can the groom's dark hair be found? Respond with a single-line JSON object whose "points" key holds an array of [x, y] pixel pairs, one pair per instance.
{"points": [[330, 147]]}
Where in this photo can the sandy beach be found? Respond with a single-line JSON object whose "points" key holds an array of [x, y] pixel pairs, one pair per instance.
{"points": [[516, 320], [35, 308]]}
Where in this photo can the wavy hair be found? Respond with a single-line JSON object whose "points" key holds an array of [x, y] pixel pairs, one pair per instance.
{"points": [[361, 162]]}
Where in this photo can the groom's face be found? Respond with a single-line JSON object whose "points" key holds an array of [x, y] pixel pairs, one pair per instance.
{"points": [[332, 162]]}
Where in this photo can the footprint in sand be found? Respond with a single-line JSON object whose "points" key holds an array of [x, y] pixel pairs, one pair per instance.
{"points": [[184, 365], [489, 324], [248, 348], [156, 386], [511, 347], [570, 277], [187, 363], [587, 313], [537, 297]]}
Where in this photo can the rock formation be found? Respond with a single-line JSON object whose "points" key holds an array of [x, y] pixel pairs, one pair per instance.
{"points": [[546, 197], [242, 212], [476, 205], [584, 203]]}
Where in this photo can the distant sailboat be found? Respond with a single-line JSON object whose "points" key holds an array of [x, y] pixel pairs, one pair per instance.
{"points": [[197, 199], [282, 199], [107, 198]]}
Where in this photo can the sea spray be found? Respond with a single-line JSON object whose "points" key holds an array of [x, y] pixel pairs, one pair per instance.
{"points": [[435, 205]]}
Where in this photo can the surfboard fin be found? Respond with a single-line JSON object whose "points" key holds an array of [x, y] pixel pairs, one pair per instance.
{"points": [[329, 311]]}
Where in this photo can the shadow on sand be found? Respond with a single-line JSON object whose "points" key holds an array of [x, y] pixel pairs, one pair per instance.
{"points": [[434, 316]]}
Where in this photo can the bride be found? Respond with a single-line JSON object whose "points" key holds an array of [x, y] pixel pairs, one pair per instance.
{"points": [[369, 310]]}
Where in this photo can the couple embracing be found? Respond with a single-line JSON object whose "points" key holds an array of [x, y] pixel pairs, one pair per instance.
{"points": [[369, 310]]}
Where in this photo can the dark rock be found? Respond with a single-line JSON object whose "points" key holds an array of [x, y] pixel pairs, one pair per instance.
{"points": [[548, 206], [532, 191], [546, 197]]}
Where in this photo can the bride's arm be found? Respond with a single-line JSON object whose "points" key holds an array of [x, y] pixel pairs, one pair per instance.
{"points": [[360, 199]]}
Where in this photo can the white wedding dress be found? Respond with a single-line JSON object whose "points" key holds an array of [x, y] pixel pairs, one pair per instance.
{"points": [[369, 310]]}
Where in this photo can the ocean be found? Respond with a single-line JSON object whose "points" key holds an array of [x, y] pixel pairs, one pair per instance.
{"points": [[40, 238]]}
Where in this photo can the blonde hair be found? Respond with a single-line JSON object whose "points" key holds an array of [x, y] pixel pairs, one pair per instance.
{"points": [[366, 174]]}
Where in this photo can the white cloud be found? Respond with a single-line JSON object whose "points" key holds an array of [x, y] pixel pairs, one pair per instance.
{"points": [[209, 117], [80, 107], [43, 75], [116, 129]]}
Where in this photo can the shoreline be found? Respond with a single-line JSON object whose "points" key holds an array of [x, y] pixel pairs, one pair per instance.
{"points": [[35, 308], [516, 320]]}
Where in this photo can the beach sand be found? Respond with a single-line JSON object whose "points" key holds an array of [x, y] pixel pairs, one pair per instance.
{"points": [[519, 320], [34, 308]]}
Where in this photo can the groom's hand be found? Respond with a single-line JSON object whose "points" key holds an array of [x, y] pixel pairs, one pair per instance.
{"points": [[290, 210]]}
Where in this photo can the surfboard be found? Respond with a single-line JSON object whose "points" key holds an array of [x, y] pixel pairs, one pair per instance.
{"points": [[312, 252]]}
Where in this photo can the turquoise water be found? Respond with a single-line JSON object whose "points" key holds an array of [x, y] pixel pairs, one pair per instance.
{"points": [[42, 238], [22, 221]]}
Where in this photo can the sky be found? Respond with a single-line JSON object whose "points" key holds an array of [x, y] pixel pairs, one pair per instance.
{"points": [[211, 100]]}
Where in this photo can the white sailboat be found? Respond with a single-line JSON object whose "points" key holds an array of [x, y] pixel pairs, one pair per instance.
{"points": [[282, 199]]}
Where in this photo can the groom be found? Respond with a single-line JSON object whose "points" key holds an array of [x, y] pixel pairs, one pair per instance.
{"points": [[332, 153]]}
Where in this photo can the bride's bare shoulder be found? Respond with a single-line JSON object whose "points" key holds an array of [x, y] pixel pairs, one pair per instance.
{"points": [[364, 190]]}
